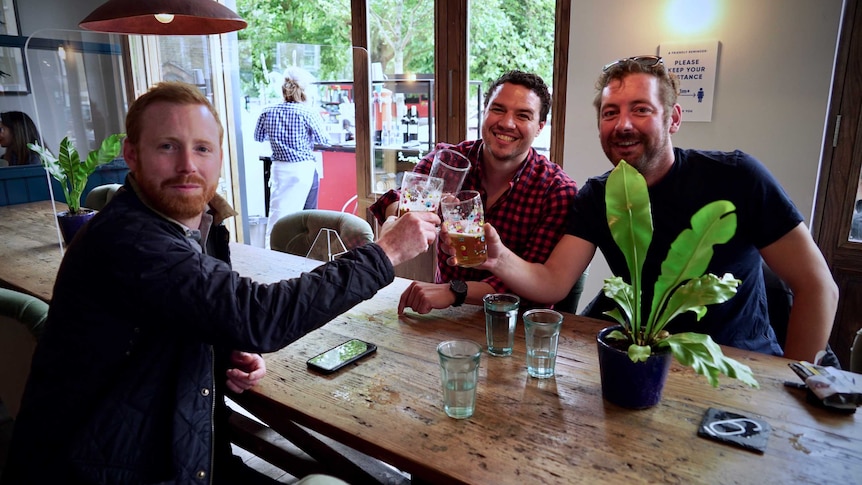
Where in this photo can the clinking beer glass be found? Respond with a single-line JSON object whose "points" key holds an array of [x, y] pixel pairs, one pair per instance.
{"points": [[419, 193], [464, 218]]}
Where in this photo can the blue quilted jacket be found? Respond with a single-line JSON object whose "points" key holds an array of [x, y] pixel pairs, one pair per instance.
{"points": [[126, 382]]}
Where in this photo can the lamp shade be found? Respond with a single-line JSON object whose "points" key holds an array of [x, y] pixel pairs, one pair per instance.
{"points": [[179, 17]]}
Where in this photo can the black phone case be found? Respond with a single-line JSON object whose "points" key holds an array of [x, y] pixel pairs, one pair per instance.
{"points": [[371, 348]]}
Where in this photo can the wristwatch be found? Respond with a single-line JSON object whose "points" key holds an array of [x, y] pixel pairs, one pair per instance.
{"points": [[459, 287]]}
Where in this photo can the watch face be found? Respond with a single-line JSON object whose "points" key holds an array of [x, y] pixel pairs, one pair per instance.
{"points": [[458, 286]]}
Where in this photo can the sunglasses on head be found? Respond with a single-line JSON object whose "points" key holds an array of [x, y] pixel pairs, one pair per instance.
{"points": [[645, 61]]}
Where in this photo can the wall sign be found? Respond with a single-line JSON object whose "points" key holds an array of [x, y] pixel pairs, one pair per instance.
{"points": [[695, 64]]}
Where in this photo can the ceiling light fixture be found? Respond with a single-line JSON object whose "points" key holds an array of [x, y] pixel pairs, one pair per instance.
{"points": [[163, 17]]}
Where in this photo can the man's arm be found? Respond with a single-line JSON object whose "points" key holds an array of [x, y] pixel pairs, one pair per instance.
{"points": [[423, 297], [544, 234], [797, 260], [541, 283]]}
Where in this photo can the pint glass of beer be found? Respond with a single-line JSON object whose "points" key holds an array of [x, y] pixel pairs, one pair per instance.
{"points": [[464, 218], [419, 193]]}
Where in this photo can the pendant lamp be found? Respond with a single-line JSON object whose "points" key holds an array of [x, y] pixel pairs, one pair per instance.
{"points": [[163, 17]]}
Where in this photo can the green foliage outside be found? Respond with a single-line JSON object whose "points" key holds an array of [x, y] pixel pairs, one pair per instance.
{"points": [[504, 34]]}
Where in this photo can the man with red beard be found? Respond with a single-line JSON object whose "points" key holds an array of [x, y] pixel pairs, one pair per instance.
{"points": [[637, 110], [525, 196], [149, 325]]}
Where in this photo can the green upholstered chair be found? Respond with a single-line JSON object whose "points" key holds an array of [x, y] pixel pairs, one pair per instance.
{"points": [[22, 318], [319, 234], [569, 304], [101, 195]]}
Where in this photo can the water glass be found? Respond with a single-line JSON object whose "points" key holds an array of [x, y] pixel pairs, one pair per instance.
{"points": [[464, 218], [459, 370], [501, 316], [542, 328], [452, 167], [419, 193]]}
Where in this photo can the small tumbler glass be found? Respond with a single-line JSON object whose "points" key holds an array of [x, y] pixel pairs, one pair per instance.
{"points": [[542, 329]]}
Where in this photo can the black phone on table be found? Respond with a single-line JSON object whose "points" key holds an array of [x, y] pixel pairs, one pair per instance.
{"points": [[341, 355]]}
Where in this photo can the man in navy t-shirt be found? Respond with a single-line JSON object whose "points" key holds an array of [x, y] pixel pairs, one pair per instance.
{"points": [[637, 114]]}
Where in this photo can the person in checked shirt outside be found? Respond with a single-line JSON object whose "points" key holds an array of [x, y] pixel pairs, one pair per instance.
{"points": [[292, 128], [526, 196]]}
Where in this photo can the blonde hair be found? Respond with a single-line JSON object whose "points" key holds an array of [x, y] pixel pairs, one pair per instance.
{"points": [[292, 91]]}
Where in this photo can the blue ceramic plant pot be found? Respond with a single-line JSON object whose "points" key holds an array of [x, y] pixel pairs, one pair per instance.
{"points": [[633, 385], [70, 224]]}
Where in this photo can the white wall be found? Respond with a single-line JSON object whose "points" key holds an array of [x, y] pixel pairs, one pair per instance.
{"points": [[771, 91]]}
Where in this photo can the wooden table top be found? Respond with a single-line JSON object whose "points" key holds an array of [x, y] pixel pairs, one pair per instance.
{"points": [[30, 249], [527, 430], [524, 430]]}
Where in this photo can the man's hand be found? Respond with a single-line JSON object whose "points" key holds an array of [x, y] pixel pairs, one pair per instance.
{"points": [[496, 249], [249, 370], [406, 237], [424, 297]]}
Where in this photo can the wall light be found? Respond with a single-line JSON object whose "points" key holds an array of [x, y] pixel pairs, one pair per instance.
{"points": [[163, 17], [689, 17]]}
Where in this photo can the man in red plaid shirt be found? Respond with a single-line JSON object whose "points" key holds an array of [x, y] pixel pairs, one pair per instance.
{"points": [[526, 197]]}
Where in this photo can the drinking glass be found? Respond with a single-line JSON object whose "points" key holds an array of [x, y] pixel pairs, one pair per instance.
{"points": [[459, 371], [464, 218], [452, 167], [419, 193], [542, 329], [501, 316]]}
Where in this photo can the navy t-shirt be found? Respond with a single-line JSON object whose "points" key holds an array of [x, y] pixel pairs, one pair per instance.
{"points": [[764, 214]]}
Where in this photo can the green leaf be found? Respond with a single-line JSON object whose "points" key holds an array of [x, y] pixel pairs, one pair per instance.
{"points": [[106, 153], [630, 221], [70, 171], [701, 353], [690, 253], [622, 293], [695, 294], [639, 353]]}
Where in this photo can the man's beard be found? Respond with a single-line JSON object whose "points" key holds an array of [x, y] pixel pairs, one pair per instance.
{"points": [[177, 206], [651, 156]]}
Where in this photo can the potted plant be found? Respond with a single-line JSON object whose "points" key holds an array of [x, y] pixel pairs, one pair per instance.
{"points": [[640, 348], [73, 173]]}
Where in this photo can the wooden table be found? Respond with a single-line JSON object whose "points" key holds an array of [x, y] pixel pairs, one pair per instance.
{"points": [[30, 250], [524, 430], [527, 430]]}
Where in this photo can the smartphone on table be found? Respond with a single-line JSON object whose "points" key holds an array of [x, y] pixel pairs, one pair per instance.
{"points": [[341, 355]]}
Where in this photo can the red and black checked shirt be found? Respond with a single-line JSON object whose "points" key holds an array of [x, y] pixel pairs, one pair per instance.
{"points": [[530, 217]]}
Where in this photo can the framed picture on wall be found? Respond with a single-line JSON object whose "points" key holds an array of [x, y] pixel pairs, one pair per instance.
{"points": [[9, 18], [13, 71]]}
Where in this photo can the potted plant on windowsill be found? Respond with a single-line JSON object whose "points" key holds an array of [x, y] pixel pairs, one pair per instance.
{"points": [[636, 354], [73, 173]]}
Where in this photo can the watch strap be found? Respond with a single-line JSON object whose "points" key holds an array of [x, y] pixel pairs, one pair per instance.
{"points": [[459, 288]]}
